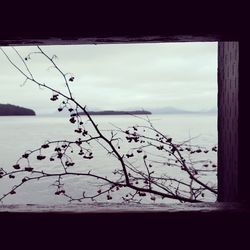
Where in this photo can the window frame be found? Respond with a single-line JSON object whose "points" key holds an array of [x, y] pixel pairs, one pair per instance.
{"points": [[233, 191]]}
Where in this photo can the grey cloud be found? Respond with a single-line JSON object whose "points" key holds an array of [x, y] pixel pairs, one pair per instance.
{"points": [[119, 76]]}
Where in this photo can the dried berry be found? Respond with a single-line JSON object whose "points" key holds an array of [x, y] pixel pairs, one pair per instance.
{"points": [[214, 149], [129, 155], [60, 155], [79, 130], [169, 140], [16, 166], [25, 155], [72, 120], [29, 169], [109, 197], [41, 157], [71, 79], [85, 132], [58, 192], [54, 97], [24, 179], [129, 139], [87, 157], [68, 164]]}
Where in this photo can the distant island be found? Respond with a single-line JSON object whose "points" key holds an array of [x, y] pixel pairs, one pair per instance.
{"points": [[9, 109], [112, 112], [173, 110], [149, 111]]}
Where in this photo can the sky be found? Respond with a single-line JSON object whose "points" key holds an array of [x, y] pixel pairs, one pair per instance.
{"points": [[117, 76]]}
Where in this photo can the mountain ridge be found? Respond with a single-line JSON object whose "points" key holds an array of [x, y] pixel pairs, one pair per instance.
{"points": [[174, 110]]}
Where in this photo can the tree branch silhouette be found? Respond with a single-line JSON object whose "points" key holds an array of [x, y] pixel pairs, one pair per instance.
{"points": [[135, 171]]}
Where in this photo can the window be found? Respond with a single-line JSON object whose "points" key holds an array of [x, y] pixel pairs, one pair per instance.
{"points": [[141, 76]]}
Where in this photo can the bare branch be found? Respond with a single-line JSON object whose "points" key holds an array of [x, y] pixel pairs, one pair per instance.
{"points": [[137, 170]]}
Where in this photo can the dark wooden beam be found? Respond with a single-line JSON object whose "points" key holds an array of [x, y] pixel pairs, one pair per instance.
{"points": [[97, 22]]}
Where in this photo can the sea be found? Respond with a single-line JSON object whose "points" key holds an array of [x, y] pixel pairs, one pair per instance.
{"points": [[19, 134]]}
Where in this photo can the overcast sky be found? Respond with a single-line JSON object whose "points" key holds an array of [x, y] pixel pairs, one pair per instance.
{"points": [[119, 76]]}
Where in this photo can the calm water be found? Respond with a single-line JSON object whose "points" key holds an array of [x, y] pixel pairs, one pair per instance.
{"points": [[18, 134]]}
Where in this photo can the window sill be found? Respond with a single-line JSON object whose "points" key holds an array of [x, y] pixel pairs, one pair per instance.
{"points": [[101, 225], [213, 207]]}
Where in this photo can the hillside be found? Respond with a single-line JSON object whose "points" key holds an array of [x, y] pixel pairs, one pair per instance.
{"points": [[9, 109]]}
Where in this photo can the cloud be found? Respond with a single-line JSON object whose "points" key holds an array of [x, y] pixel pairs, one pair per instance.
{"points": [[119, 75]]}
